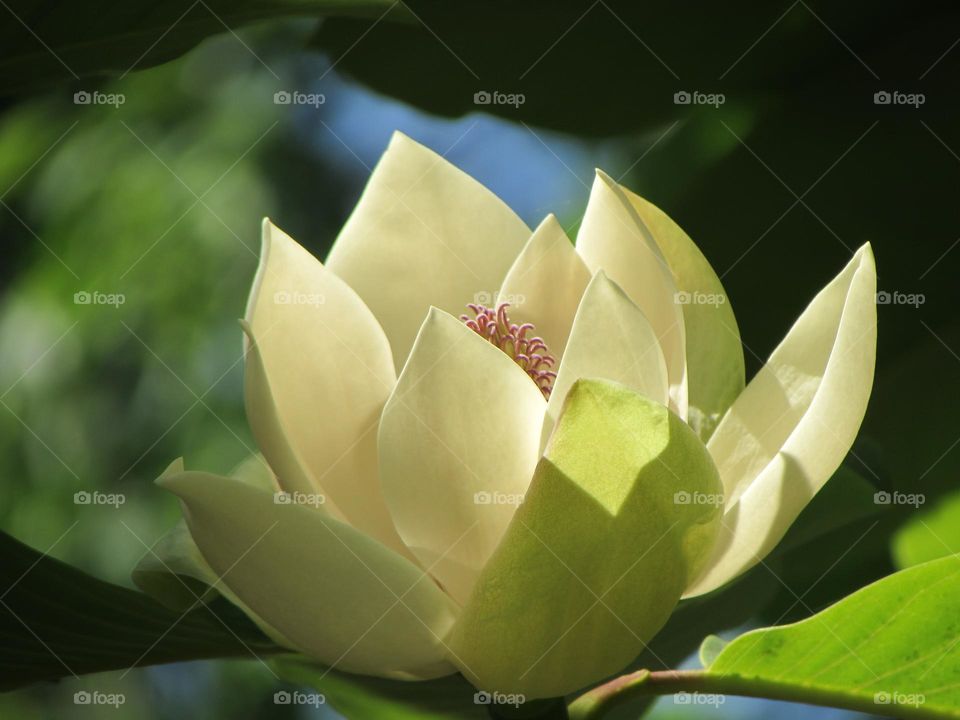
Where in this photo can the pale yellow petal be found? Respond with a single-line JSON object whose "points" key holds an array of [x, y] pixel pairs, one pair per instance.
{"points": [[611, 340], [458, 443], [614, 238], [545, 284], [791, 428], [317, 376], [423, 233], [339, 596], [174, 571]]}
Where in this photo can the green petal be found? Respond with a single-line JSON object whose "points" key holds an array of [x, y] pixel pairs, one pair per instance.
{"points": [[614, 238], [459, 440], [598, 554], [338, 595], [714, 353], [545, 284], [424, 233], [794, 423]]}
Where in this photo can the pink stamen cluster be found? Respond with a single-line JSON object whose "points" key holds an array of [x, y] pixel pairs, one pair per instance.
{"points": [[530, 353]]}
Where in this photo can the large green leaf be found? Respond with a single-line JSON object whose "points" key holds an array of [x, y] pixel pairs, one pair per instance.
{"points": [[56, 621], [895, 642], [48, 42], [890, 648]]}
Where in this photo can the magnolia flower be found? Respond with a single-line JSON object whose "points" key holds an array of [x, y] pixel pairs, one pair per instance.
{"points": [[489, 451]]}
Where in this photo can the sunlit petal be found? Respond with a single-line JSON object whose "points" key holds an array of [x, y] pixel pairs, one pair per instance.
{"points": [[791, 428], [614, 238], [423, 233], [458, 443]]}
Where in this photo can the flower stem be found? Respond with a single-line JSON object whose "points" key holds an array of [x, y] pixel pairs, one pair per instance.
{"points": [[602, 699]]}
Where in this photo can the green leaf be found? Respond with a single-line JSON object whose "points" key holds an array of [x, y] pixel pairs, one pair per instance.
{"points": [[361, 696], [596, 557], [891, 648], [933, 534], [891, 643], [64, 41], [56, 621], [710, 648]]}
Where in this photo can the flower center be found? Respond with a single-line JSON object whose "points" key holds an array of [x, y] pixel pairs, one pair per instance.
{"points": [[530, 353]]}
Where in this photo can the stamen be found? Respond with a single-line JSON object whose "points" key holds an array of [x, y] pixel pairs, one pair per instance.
{"points": [[530, 353]]}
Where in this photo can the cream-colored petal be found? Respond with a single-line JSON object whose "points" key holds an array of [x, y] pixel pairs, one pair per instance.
{"points": [[317, 375], [174, 571], [278, 447], [545, 284], [611, 339], [423, 233], [791, 428], [339, 595], [713, 349], [459, 440], [614, 238]]}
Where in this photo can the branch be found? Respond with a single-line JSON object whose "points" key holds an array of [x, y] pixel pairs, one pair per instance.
{"points": [[604, 698]]}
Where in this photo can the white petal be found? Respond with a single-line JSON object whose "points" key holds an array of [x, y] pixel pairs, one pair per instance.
{"points": [[791, 428], [614, 238], [458, 444], [423, 233], [611, 340], [317, 376], [340, 596], [545, 284]]}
